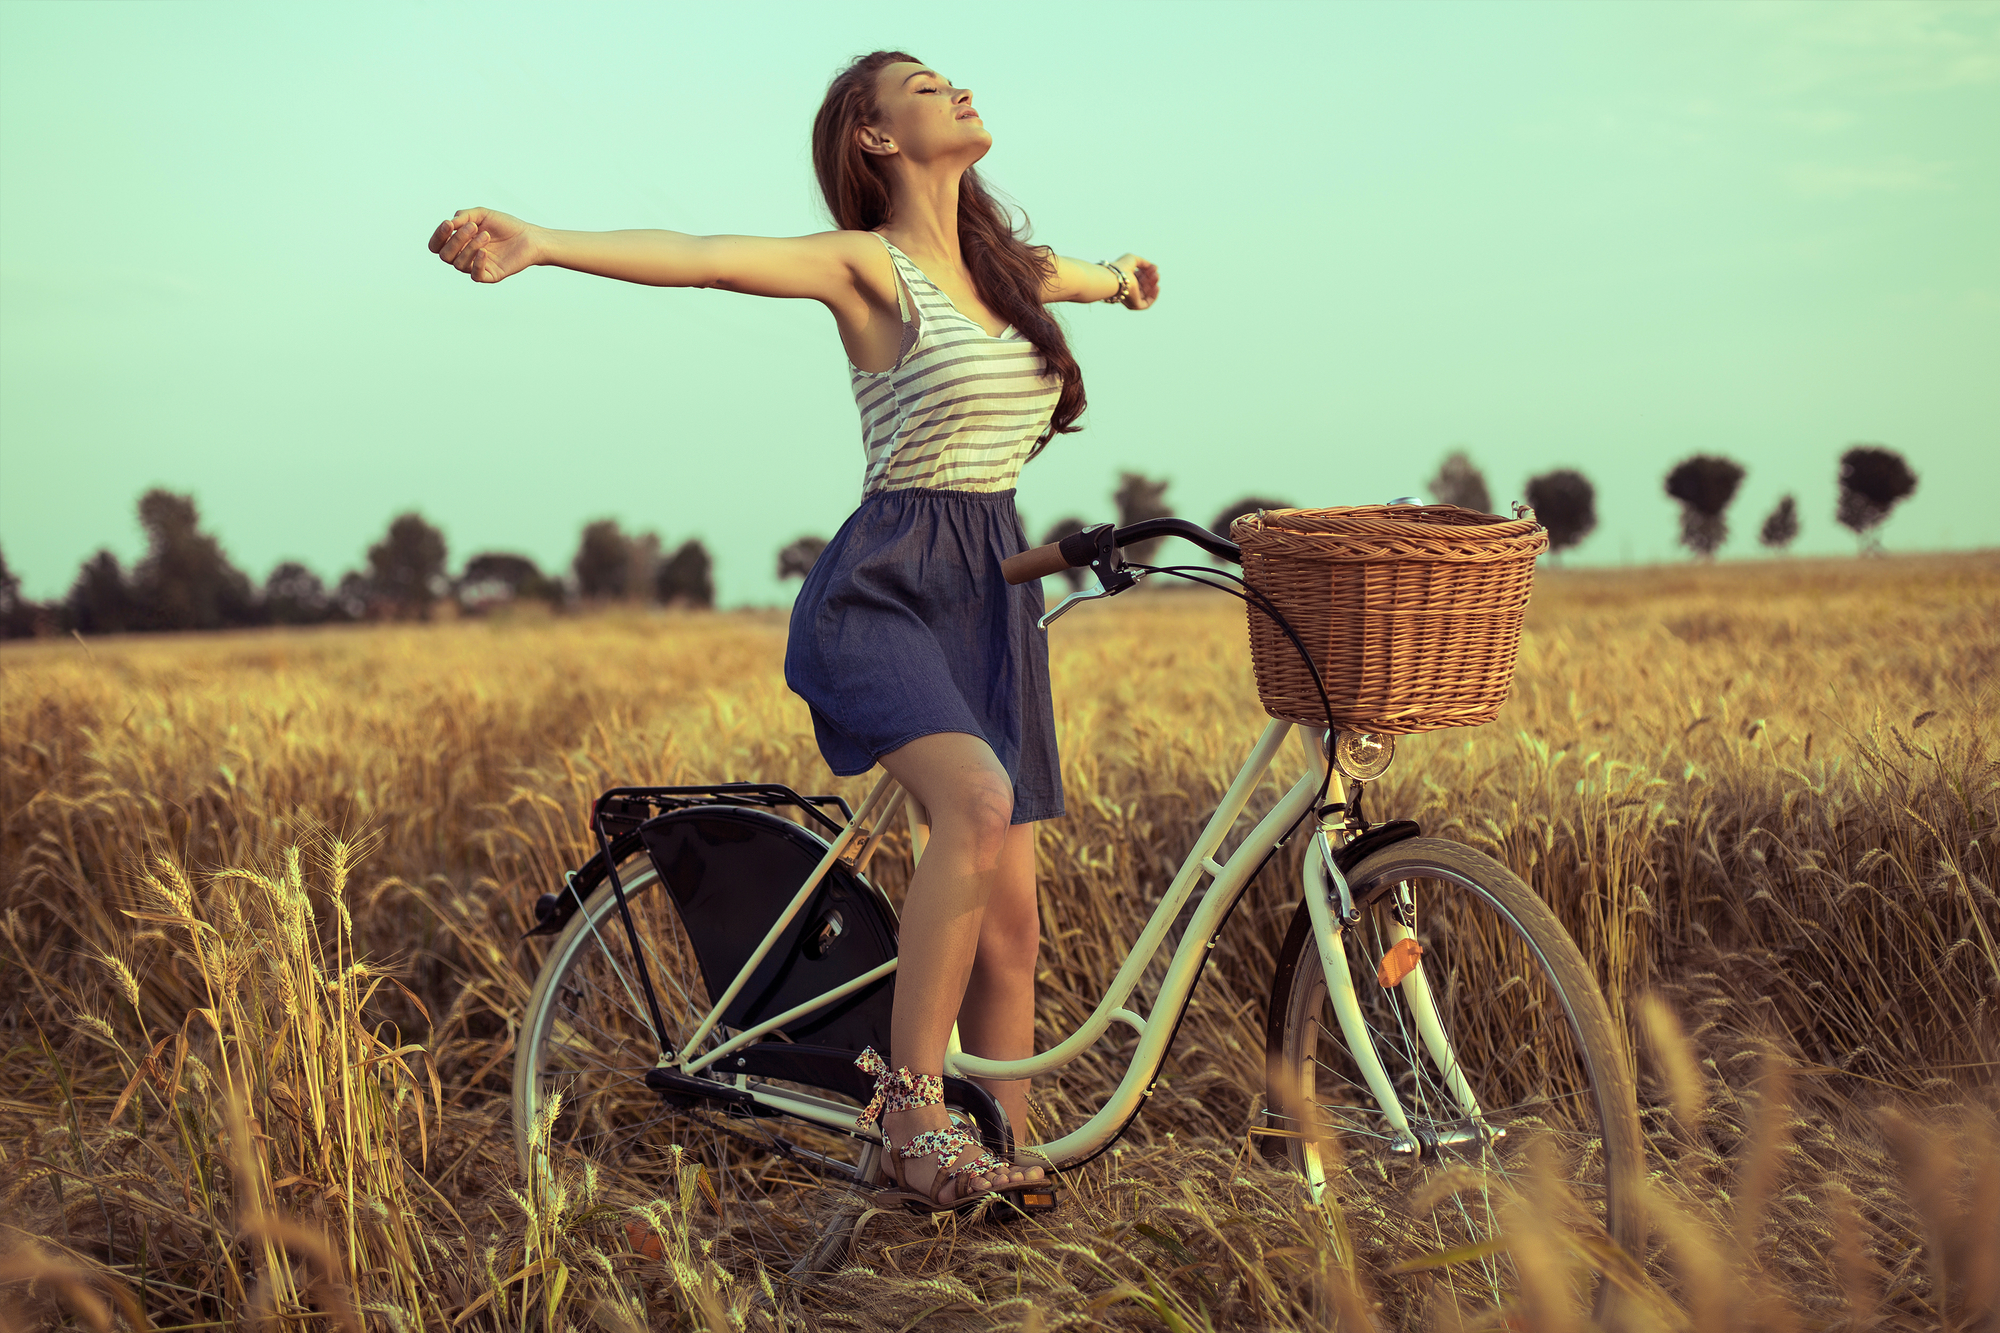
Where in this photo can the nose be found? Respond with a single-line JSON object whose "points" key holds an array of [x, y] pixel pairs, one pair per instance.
{"points": [[960, 96]]}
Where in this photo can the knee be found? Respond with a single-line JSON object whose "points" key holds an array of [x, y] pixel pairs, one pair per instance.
{"points": [[981, 814]]}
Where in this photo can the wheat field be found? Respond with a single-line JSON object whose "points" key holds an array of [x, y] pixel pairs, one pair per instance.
{"points": [[264, 896]]}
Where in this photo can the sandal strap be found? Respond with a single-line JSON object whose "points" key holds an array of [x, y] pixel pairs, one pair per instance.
{"points": [[895, 1090], [957, 1145]]}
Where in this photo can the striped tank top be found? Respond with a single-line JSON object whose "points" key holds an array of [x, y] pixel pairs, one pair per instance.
{"points": [[961, 409]]}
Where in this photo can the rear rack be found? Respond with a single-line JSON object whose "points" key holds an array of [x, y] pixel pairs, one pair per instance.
{"points": [[622, 810]]}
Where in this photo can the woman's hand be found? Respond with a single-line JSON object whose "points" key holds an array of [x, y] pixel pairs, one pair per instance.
{"points": [[1144, 289], [486, 245]]}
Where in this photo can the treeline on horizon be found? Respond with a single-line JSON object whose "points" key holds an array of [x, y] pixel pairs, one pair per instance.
{"points": [[1873, 480], [186, 582]]}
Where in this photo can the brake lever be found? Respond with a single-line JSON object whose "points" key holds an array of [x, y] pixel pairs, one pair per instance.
{"points": [[1050, 617], [1076, 598], [1112, 576]]}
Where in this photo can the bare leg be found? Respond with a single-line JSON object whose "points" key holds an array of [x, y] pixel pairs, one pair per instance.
{"points": [[970, 801], [997, 1017]]}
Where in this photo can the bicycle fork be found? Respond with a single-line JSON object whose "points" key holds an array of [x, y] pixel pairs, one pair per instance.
{"points": [[1333, 914]]}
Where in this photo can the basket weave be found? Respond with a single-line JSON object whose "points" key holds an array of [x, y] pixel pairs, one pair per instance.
{"points": [[1411, 612]]}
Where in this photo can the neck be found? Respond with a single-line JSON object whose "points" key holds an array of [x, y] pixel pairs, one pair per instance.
{"points": [[924, 212]]}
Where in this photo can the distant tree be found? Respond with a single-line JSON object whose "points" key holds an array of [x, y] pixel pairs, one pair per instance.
{"points": [[1565, 503], [294, 595], [354, 598], [101, 600], [18, 615], [1139, 498], [406, 568], [1873, 480], [603, 560], [1249, 504], [1459, 483], [1704, 484], [687, 577], [643, 566], [1781, 527], [184, 581], [494, 579], [1061, 528], [796, 560]]}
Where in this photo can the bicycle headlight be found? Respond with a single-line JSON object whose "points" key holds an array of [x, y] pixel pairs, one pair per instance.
{"points": [[1362, 757]]}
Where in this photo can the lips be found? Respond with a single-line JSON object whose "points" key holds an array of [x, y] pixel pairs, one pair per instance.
{"points": [[968, 114]]}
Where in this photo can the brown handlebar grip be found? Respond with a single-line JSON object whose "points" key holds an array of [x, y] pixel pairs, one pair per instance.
{"points": [[1036, 564]]}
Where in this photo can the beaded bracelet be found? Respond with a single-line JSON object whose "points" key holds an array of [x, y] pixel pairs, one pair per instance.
{"points": [[1124, 284]]}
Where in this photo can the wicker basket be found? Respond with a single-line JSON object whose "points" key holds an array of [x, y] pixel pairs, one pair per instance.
{"points": [[1412, 612]]}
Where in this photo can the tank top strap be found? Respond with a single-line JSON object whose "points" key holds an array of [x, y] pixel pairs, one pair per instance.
{"points": [[896, 262]]}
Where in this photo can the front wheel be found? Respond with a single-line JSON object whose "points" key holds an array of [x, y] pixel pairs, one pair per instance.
{"points": [[1522, 1050]]}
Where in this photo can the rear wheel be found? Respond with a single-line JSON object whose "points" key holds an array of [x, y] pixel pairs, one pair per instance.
{"points": [[1526, 1027], [769, 1188]]}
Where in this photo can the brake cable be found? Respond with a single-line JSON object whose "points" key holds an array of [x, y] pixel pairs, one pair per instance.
{"points": [[1250, 596]]}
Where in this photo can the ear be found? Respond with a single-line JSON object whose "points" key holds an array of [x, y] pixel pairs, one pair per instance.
{"points": [[874, 141]]}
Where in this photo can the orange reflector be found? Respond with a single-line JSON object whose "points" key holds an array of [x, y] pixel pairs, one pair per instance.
{"points": [[1038, 1200], [1399, 962]]}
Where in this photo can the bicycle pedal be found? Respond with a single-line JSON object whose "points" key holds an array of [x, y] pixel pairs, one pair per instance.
{"points": [[1032, 1203]]}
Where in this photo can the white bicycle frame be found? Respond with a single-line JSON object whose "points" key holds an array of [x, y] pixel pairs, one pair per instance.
{"points": [[1227, 880]]}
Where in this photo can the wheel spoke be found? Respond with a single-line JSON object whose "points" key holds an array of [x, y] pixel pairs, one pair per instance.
{"points": [[609, 956], [1505, 983]]}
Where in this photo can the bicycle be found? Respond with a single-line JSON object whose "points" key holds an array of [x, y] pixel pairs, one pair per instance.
{"points": [[717, 967]]}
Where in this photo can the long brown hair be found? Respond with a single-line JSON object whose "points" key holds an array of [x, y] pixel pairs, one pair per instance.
{"points": [[1008, 272]]}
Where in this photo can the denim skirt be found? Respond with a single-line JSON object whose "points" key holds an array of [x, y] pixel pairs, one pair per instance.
{"points": [[905, 628]]}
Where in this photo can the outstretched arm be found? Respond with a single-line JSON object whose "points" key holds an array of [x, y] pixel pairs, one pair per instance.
{"points": [[490, 246], [1081, 280]]}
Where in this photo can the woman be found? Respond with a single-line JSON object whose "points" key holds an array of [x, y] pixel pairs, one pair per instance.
{"points": [[909, 646]]}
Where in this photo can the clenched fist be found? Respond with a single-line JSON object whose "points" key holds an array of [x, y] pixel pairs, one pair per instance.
{"points": [[1145, 276], [484, 244]]}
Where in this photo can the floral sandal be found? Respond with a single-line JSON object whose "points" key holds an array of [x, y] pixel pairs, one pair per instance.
{"points": [[958, 1150]]}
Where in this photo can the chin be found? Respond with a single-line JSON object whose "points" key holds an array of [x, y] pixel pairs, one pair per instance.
{"points": [[972, 148]]}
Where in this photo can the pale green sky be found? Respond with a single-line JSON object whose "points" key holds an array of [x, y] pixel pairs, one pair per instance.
{"points": [[1593, 235]]}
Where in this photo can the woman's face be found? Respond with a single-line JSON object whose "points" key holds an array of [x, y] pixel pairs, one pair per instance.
{"points": [[924, 118]]}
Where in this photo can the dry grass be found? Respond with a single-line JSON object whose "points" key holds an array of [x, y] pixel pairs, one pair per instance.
{"points": [[262, 898]]}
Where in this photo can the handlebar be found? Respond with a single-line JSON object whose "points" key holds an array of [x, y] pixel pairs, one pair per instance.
{"points": [[1082, 548]]}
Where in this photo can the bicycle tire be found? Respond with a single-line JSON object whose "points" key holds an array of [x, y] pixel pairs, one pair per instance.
{"points": [[766, 1201], [1528, 1026]]}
